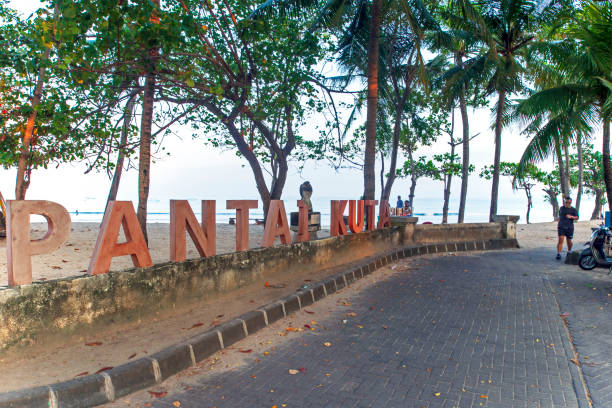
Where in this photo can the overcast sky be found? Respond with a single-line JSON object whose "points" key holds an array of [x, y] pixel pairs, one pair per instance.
{"points": [[196, 171]]}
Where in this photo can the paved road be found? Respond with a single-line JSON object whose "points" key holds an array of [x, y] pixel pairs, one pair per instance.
{"points": [[472, 330]]}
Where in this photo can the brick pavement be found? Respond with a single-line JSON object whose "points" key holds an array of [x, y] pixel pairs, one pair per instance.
{"points": [[469, 330], [587, 296]]}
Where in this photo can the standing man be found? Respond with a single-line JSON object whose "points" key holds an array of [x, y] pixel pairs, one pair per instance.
{"points": [[565, 228], [399, 205]]}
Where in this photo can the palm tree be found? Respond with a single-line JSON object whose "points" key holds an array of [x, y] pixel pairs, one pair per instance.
{"points": [[505, 30], [337, 13], [457, 44], [582, 96]]}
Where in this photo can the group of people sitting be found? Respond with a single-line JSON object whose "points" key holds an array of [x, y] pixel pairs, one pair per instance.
{"points": [[402, 207]]}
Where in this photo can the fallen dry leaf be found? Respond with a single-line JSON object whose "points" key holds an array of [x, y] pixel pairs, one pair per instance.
{"points": [[437, 394], [56, 267], [94, 343], [307, 326], [302, 369], [327, 344], [347, 303], [575, 361], [194, 326], [176, 403], [220, 316], [308, 311], [246, 351], [293, 372], [104, 369], [351, 314], [82, 374], [132, 356], [158, 394]]}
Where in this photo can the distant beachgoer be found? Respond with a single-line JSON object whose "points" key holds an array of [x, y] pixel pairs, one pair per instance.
{"points": [[565, 228], [407, 208], [400, 205]]}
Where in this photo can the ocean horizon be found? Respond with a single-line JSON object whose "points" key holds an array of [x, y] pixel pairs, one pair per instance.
{"points": [[91, 209]]}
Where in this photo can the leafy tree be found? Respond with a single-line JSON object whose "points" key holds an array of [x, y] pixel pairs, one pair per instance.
{"points": [[416, 169], [40, 122], [249, 82], [551, 181], [456, 45], [525, 180], [594, 182], [505, 30], [448, 166], [582, 94]]}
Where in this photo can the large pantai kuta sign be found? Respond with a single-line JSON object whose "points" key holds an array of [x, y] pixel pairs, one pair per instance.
{"points": [[121, 215]]}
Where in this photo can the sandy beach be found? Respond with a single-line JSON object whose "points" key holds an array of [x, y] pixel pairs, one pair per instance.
{"points": [[74, 256]]}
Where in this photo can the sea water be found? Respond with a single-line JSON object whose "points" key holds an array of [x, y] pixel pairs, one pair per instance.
{"points": [[91, 209]]}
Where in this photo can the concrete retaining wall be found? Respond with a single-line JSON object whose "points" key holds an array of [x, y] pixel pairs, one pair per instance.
{"points": [[71, 304]]}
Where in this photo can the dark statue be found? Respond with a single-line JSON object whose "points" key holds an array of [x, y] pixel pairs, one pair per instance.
{"points": [[306, 193]]}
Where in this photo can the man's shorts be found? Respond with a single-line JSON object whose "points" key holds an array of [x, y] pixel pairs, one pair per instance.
{"points": [[566, 231]]}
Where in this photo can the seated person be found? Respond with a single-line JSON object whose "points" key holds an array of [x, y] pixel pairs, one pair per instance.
{"points": [[407, 208]]}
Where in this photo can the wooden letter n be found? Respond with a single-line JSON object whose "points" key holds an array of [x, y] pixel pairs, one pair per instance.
{"points": [[182, 220]]}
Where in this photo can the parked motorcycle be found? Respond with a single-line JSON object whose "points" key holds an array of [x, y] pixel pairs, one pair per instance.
{"points": [[594, 253]]}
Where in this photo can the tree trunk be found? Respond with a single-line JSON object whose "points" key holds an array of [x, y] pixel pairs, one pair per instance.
{"points": [[369, 182], [553, 201], [127, 118], [598, 203], [465, 167], [23, 166], [580, 173], [146, 123], [529, 204], [413, 178], [606, 161], [447, 190], [382, 175], [496, 161], [448, 179], [565, 190], [144, 161], [397, 126]]}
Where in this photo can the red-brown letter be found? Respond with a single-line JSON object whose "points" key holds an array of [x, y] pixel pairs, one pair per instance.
{"points": [[303, 234], [338, 227], [371, 211], [384, 216], [182, 219], [119, 214], [19, 247], [242, 221], [276, 225], [356, 216]]}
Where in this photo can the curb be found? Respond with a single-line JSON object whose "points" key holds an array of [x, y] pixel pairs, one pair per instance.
{"points": [[97, 389]]}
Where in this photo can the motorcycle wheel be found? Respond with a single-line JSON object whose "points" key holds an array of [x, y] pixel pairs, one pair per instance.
{"points": [[587, 262]]}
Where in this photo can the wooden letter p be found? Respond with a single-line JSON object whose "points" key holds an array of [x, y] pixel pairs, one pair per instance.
{"points": [[20, 248]]}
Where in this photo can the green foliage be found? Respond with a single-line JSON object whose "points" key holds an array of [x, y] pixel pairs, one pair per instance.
{"points": [[419, 168], [593, 171]]}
